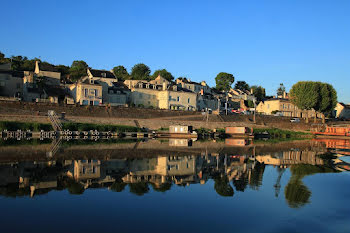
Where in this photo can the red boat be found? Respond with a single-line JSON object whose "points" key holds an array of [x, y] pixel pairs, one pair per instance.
{"points": [[332, 131]]}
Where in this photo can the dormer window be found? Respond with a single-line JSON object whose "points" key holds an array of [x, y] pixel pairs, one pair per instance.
{"points": [[91, 81], [103, 75]]}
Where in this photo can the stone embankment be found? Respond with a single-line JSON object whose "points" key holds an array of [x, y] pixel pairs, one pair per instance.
{"points": [[148, 118]]}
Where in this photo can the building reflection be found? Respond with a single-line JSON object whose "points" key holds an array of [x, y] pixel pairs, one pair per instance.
{"points": [[230, 172]]}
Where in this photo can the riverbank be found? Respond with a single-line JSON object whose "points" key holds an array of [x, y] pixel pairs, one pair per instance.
{"points": [[147, 118]]}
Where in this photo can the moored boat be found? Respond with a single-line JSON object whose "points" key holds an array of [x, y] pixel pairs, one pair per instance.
{"points": [[336, 131]]}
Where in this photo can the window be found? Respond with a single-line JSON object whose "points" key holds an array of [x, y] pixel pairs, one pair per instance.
{"points": [[169, 97], [96, 102], [178, 98], [86, 92], [188, 100], [96, 92]]}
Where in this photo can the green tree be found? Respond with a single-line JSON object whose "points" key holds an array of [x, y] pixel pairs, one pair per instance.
{"points": [[121, 73], [224, 81], [242, 85], [259, 92], [281, 90], [3, 59], [164, 73], [307, 95], [140, 72], [223, 187], [328, 99], [77, 70], [17, 62], [64, 70], [29, 65]]}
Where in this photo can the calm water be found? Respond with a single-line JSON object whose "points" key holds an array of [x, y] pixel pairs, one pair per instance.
{"points": [[167, 187]]}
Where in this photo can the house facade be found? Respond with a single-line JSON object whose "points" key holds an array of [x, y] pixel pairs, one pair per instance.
{"points": [[163, 96], [193, 86], [118, 94], [86, 92], [11, 82], [284, 107], [342, 111]]}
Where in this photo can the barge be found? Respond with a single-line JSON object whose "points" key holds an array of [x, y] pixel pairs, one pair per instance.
{"points": [[332, 131]]}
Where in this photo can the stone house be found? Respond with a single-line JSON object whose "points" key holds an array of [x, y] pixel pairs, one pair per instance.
{"points": [[86, 91], [193, 86], [11, 82], [342, 111], [206, 101], [157, 81], [285, 108], [163, 96], [113, 92], [118, 94]]}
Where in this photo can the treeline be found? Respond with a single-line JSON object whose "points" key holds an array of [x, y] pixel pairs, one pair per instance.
{"points": [[78, 69]]}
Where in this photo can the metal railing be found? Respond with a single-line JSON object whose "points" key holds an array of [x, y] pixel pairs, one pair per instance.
{"points": [[55, 121]]}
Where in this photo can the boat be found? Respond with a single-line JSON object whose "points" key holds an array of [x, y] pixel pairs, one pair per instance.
{"points": [[333, 131], [239, 132], [178, 131]]}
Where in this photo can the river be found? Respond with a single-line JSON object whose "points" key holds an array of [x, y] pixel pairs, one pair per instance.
{"points": [[174, 186]]}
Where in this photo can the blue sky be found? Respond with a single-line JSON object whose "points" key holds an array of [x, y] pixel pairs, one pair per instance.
{"points": [[261, 42]]}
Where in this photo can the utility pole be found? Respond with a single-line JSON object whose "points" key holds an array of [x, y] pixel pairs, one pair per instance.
{"points": [[254, 110], [226, 102]]}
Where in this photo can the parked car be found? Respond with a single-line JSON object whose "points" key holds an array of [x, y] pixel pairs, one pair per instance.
{"points": [[295, 120], [278, 114]]}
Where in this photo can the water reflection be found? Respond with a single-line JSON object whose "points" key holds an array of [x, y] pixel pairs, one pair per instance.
{"points": [[141, 167]]}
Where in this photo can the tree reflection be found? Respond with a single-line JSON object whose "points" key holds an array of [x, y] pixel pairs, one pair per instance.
{"points": [[240, 184], [161, 187], [118, 186], [139, 188], [74, 187], [296, 192], [257, 176], [223, 187]]}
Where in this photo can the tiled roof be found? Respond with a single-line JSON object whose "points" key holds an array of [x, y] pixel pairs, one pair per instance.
{"points": [[43, 66], [87, 81], [19, 74], [99, 73]]}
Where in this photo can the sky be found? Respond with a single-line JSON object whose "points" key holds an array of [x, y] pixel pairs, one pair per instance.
{"points": [[261, 42]]}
